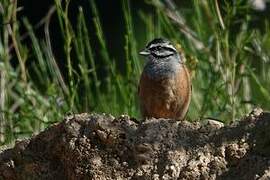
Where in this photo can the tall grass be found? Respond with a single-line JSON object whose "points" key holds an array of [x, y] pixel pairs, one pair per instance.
{"points": [[228, 57]]}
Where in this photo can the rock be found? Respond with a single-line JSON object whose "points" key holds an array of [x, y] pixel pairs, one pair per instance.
{"points": [[93, 146]]}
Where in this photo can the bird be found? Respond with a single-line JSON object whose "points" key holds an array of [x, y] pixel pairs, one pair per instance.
{"points": [[165, 87]]}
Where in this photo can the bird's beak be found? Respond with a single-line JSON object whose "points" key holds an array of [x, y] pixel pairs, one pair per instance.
{"points": [[144, 52]]}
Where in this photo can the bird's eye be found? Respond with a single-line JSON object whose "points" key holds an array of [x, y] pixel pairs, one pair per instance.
{"points": [[152, 49]]}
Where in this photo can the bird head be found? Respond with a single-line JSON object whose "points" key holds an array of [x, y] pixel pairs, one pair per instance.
{"points": [[159, 48]]}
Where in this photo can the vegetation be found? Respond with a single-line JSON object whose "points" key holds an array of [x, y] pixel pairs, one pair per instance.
{"points": [[225, 47]]}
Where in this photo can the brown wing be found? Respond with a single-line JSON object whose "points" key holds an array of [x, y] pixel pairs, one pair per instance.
{"points": [[185, 86]]}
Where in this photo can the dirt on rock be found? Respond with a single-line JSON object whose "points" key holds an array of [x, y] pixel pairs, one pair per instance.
{"points": [[93, 146]]}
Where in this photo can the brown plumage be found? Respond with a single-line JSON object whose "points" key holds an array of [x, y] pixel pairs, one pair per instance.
{"points": [[165, 86]]}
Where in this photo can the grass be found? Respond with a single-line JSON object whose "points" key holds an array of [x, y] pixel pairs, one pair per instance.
{"points": [[228, 57]]}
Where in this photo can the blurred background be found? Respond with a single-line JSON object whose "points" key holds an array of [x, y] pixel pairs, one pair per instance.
{"points": [[60, 57]]}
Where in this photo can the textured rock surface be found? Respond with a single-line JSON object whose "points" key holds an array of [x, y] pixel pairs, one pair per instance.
{"points": [[103, 147]]}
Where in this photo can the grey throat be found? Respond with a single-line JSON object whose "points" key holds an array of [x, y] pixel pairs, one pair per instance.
{"points": [[166, 67]]}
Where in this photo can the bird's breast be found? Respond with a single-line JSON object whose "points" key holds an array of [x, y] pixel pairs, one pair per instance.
{"points": [[165, 90]]}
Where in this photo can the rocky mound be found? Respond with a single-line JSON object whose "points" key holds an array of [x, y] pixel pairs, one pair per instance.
{"points": [[103, 147]]}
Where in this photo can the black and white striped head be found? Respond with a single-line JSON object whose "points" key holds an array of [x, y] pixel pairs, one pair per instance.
{"points": [[159, 48]]}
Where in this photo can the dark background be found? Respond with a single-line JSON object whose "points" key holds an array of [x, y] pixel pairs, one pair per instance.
{"points": [[112, 19], [110, 14]]}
